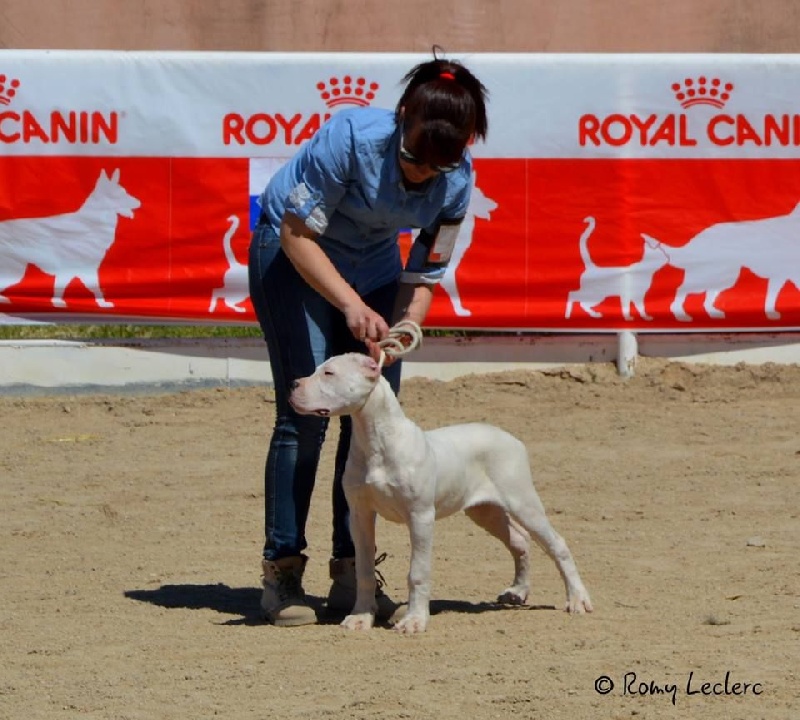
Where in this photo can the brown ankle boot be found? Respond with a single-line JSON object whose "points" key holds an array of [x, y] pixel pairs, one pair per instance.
{"points": [[342, 595], [283, 601]]}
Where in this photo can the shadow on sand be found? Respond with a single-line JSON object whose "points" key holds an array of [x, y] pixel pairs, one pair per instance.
{"points": [[244, 603]]}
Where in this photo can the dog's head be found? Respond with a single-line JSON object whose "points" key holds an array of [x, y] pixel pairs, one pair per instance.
{"points": [[110, 195], [340, 386]]}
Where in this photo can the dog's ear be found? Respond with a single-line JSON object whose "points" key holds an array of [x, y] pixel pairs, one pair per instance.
{"points": [[371, 368]]}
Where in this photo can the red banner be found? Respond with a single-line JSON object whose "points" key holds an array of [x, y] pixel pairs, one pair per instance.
{"points": [[615, 193], [550, 244]]}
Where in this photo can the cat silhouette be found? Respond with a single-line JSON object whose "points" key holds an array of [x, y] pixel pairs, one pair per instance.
{"points": [[629, 283]]}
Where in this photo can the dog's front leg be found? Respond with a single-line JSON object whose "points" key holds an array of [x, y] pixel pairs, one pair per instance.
{"points": [[419, 575], [362, 530]]}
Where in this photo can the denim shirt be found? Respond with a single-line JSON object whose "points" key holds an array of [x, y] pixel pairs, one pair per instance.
{"points": [[346, 185]]}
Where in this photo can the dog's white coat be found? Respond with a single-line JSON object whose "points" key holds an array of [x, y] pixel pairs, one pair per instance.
{"points": [[415, 477]]}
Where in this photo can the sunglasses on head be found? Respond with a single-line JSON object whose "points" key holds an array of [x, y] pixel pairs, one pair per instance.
{"points": [[411, 159]]}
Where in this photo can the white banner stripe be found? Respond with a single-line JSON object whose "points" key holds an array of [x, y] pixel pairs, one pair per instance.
{"points": [[243, 105]]}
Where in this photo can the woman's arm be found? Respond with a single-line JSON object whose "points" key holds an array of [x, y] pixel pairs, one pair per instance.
{"points": [[309, 259], [413, 302]]}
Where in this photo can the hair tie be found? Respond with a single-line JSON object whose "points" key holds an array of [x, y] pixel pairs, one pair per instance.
{"points": [[447, 76]]}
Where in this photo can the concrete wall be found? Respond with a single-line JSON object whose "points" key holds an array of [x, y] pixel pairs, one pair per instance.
{"points": [[411, 25]]}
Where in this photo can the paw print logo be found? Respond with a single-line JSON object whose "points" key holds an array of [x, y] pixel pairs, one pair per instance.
{"points": [[8, 89]]}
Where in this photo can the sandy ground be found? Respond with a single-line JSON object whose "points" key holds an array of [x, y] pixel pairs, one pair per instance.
{"points": [[132, 528]]}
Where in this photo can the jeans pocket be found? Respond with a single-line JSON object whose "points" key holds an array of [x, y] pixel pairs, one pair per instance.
{"points": [[266, 238]]}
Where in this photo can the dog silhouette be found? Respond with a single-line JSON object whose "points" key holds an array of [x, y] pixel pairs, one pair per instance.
{"points": [[714, 258], [68, 246]]}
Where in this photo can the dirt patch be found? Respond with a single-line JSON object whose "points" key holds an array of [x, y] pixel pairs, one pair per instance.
{"points": [[132, 531]]}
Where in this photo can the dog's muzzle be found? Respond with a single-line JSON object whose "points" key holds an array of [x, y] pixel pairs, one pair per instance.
{"points": [[319, 412]]}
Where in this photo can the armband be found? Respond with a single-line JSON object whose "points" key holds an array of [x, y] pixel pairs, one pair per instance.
{"points": [[444, 242]]}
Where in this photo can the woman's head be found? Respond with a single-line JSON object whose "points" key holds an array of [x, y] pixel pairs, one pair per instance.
{"points": [[442, 109]]}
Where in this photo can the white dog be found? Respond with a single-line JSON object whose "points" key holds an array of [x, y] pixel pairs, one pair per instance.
{"points": [[414, 477]]}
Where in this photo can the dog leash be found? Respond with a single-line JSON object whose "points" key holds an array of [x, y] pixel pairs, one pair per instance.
{"points": [[393, 346]]}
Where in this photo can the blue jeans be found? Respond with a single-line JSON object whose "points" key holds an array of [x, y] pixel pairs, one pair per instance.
{"points": [[302, 330]]}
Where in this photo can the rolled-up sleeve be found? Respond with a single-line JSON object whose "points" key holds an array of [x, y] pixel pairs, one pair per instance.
{"points": [[323, 182]]}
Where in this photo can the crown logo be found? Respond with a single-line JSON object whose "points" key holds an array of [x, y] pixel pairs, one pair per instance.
{"points": [[8, 88], [347, 90], [702, 91]]}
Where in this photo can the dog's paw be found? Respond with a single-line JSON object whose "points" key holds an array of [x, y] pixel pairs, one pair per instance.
{"points": [[515, 595], [362, 621], [578, 605], [411, 625]]}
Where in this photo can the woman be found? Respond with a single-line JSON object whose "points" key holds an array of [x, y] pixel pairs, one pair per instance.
{"points": [[326, 278]]}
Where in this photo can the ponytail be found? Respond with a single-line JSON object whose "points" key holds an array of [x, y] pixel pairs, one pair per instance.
{"points": [[445, 91]]}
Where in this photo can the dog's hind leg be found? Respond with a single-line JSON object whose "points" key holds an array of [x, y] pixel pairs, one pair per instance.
{"points": [[498, 523], [12, 271], [528, 512], [90, 279]]}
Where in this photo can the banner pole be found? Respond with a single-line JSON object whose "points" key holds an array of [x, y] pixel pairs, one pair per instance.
{"points": [[627, 353]]}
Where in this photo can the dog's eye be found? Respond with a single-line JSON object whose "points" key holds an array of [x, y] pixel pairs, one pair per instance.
{"points": [[327, 372]]}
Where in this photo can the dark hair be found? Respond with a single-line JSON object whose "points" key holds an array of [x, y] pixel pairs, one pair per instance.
{"points": [[448, 103]]}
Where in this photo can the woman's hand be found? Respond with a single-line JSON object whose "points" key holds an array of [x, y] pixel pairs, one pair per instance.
{"points": [[402, 338], [374, 351], [364, 322]]}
